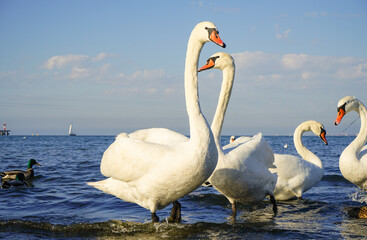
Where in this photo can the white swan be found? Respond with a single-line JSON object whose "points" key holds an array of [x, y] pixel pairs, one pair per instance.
{"points": [[353, 160], [154, 175], [297, 175], [242, 173]]}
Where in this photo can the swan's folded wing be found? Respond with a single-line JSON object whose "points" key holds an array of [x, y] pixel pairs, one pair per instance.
{"points": [[235, 143], [363, 154], [289, 166], [128, 159], [159, 135], [256, 149]]}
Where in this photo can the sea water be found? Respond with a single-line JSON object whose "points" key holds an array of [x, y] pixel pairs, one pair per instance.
{"points": [[60, 205]]}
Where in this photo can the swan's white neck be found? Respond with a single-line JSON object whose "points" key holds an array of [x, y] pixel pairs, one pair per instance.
{"points": [[301, 149], [196, 119], [361, 138], [224, 96]]}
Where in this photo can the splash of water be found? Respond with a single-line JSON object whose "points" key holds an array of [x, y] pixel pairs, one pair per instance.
{"points": [[359, 196]]}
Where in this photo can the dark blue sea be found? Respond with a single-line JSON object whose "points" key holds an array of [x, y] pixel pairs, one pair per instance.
{"points": [[60, 205]]}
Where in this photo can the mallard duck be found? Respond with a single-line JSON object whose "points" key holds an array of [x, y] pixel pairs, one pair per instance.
{"points": [[29, 173], [18, 181]]}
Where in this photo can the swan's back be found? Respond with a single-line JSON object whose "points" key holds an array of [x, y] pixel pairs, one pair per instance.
{"points": [[159, 135], [236, 142], [128, 159], [243, 175], [255, 149]]}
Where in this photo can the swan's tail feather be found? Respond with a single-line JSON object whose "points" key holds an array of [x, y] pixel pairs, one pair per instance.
{"points": [[101, 185]]}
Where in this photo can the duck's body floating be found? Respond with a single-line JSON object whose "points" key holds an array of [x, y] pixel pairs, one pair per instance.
{"points": [[18, 181], [28, 174]]}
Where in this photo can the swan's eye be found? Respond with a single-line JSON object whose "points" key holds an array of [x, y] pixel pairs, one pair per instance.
{"points": [[341, 107], [322, 131], [212, 59], [215, 58]]}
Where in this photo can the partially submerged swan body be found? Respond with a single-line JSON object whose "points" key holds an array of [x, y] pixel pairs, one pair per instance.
{"points": [[353, 160], [153, 175], [297, 174]]}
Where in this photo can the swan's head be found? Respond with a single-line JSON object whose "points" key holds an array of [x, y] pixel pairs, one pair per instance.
{"points": [[345, 105], [206, 32], [219, 60], [231, 140], [319, 130], [315, 127]]}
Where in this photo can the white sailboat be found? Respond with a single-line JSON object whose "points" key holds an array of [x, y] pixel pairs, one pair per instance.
{"points": [[71, 130]]}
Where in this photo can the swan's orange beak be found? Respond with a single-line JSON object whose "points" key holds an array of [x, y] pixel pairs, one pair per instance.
{"points": [[214, 37], [209, 64], [341, 114], [323, 137]]}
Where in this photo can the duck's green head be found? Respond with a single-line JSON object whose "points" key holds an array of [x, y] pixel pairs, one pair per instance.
{"points": [[32, 162]]}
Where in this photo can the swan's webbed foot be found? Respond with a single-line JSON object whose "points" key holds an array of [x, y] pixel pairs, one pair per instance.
{"points": [[234, 210], [274, 202], [155, 218], [175, 216]]}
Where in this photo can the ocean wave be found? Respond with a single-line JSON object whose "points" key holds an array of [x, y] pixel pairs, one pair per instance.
{"points": [[114, 229], [359, 196]]}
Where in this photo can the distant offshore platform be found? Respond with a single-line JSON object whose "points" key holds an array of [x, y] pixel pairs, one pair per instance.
{"points": [[4, 132]]}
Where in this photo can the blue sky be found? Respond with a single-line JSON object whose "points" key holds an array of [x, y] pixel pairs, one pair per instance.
{"points": [[117, 66]]}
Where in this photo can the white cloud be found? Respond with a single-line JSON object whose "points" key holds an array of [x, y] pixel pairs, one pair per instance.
{"points": [[197, 3], [105, 67], [72, 60], [99, 57], [292, 71], [77, 73], [170, 90], [62, 61], [142, 75], [283, 35], [75, 67], [316, 14], [154, 81]]}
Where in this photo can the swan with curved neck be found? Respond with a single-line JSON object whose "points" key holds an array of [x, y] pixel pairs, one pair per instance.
{"points": [[297, 175], [353, 160], [154, 175], [242, 173]]}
